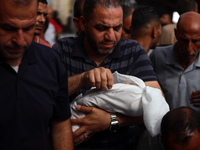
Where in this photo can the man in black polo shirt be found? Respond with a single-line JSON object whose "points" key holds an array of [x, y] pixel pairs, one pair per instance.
{"points": [[33, 84]]}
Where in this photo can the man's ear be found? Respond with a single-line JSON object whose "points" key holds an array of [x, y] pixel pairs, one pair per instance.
{"points": [[76, 23], [82, 23], [154, 32]]}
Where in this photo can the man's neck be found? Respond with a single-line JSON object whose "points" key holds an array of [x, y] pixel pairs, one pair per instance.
{"points": [[145, 43], [14, 62]]}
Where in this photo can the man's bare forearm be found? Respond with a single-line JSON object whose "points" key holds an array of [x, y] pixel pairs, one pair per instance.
{"points": [[62, 135], [74, 83], [128, 120]]}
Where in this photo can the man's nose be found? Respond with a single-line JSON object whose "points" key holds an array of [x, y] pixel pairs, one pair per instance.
{"points": [[19, 38], [109, 34]]}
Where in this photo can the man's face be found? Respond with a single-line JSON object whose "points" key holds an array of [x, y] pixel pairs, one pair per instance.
{"points": [[126, 30], [41, 17], [191, 142], [16, 30], [103, 30], [189, 43]]}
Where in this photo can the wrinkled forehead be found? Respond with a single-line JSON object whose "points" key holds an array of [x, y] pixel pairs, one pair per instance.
{"points": [[18, 8]]}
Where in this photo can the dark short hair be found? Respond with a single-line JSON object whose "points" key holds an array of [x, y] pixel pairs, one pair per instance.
{"points": [[43, 1], [89, 6], [127, 11], [143, 15], [181, 121], [184, 6], [77, 8]]}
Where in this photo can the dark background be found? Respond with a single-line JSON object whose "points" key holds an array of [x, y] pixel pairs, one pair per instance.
{"points": [[167, 4]]}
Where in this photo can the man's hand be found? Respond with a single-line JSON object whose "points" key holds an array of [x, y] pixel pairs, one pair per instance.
{"points": [[99, 78], [95, 121], [195, 98]]}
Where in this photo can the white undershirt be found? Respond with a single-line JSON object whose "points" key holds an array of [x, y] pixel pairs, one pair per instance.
{"points": [[16, 68]]}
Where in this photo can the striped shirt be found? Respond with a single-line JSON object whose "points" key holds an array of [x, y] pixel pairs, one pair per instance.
{"points": [[128, 58]]}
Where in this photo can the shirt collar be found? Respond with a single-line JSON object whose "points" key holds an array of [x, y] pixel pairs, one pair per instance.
{"points": [[30, 55]]}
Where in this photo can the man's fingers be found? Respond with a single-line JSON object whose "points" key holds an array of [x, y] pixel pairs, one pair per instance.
{"points": [[109, 80], [100, 78], [84, 109], [97, 75], [103, 79]]}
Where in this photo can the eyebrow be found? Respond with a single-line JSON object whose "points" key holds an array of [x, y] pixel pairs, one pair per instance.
{"points": [[104, 26]]}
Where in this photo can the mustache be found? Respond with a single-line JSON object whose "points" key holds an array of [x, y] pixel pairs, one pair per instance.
{"points": [[15, 47], [107, 42], [189, 53]]}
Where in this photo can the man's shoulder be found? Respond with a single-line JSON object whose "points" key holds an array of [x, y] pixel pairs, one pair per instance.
{"points": [[66, 42], [43, 51], [162, 50], [129, 46], [128, 42]]}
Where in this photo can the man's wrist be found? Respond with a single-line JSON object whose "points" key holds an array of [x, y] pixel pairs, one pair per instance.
{"points": [[114, 124]]}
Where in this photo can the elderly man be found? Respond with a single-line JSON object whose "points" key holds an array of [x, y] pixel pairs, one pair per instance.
{"points": [[33, 84], [91, 58], [178, 66]]}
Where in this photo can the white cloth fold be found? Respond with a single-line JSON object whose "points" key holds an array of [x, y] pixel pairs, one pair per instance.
{"points": [[127, 99]]}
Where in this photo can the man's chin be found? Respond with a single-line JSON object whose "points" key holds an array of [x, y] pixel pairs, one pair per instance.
{"points": [[105, 51], [37, 32]]}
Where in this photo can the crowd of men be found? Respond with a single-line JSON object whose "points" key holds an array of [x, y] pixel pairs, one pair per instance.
{"points": [[39, 80]]}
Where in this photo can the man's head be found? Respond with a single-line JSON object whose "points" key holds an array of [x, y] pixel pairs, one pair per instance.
{"points": [[102, 22], [165, 15], [127, 17], [50, 12], [17, 25], [78, 12], [186, 6], [41, 16], [188, 37], [180, 129], [146, 24]]}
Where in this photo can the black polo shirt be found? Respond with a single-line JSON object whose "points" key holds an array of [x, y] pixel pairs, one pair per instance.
{"points": [[31, 97]]}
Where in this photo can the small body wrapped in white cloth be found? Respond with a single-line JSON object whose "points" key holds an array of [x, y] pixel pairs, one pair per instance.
{"points": [[133, 99]]}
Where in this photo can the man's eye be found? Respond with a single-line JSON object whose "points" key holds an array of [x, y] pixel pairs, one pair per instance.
{"points": [[101, 28], [8, 28], [127, 31], [28, 28], [39, 13], [117, 28], [196, 40]]}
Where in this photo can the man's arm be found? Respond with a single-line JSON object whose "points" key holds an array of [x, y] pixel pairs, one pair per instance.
{"points": [[98, 77], [154, 84], [61, 132], [93, 122]]}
